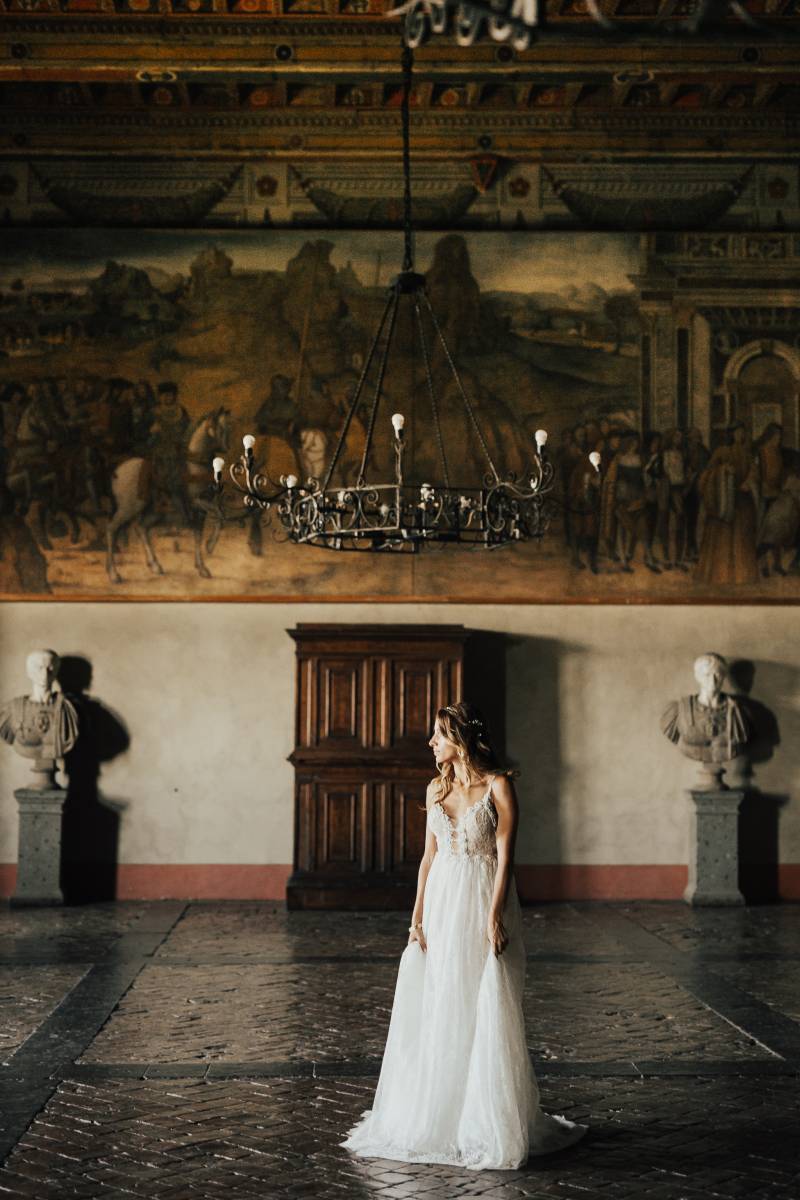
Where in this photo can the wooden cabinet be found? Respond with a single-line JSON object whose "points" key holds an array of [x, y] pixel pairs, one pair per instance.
{"points": [[366, 700]]}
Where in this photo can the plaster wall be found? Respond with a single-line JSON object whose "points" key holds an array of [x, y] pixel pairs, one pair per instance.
{"points": [[206, 692]]}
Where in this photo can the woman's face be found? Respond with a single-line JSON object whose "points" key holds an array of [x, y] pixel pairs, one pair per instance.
{"points": [[444, 750]]}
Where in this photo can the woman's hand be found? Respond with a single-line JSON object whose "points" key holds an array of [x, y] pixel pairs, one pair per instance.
{"points": [[416, 935], [495, 932]]}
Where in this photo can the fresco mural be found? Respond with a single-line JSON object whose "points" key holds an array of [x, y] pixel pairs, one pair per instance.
{"points": [[128, 359]]}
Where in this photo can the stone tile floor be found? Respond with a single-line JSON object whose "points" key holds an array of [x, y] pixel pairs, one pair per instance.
{"points": [[194, 1050]]}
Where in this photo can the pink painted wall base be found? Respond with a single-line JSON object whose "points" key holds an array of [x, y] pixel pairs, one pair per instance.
{"points": [[535, 882]]}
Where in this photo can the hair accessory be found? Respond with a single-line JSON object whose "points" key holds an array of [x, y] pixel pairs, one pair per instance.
{"points": [[474, 721]]}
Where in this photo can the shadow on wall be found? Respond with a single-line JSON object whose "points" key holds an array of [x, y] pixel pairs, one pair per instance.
{"points": [[514, 681], [90, 831], [759, 815], [536, 669], [485, 683]]}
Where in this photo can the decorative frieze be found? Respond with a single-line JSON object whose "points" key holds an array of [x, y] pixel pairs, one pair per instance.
{"points": [[299, 188]]}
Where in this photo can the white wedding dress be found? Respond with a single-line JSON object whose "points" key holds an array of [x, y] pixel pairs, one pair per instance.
{"points": [[456, 1084]]}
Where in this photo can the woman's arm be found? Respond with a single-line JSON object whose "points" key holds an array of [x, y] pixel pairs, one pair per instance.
{"points": [[416, 935], [507, 808]]}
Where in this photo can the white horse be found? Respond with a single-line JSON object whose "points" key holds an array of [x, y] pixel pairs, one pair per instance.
{"points": [[134, 492]]}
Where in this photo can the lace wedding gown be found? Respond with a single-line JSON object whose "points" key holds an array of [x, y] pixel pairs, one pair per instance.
{"points": [[456, 1084]]}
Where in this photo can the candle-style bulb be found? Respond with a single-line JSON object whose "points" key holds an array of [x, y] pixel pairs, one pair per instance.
{"points": [[541, 439], [594, 459], [248, 441], [291, 481], [398, 422], [218, 465]]}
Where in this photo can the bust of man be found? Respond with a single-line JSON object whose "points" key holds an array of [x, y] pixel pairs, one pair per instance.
{"points": [[711, 726], [43, 725]]}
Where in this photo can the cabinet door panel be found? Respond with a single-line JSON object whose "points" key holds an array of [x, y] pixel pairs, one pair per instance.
{"points": [[334, 701], [342, 826], [406, 823], [414, 701]]}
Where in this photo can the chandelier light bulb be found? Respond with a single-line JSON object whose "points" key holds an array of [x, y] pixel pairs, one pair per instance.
{"points": [[398, 423], [541, 439], [594, 459], [248, 441], [218, 465], [291, 481]]}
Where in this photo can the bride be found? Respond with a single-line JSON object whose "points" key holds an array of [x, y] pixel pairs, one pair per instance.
{"points": [[456, 1083]]}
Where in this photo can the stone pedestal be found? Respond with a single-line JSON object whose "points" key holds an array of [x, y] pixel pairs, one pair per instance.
{"points": [[714, 847], [39, 859]]}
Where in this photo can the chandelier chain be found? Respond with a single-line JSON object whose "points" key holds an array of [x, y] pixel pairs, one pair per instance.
{"points": [[358, 390], [434, 406], [460, 386], [408, 235], [361, 479], [301, 358]]}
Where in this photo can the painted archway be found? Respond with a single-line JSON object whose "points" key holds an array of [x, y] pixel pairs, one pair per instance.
{"points": [[762, 384]]}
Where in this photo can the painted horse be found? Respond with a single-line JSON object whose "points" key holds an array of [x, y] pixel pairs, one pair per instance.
{"points": [[136, 494]]}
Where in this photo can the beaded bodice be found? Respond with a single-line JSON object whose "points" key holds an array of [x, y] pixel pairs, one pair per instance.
{"points": [[472, 835]]}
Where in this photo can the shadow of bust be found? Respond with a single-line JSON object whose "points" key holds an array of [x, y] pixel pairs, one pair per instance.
{"points": [[759, 812], [90, 831]]}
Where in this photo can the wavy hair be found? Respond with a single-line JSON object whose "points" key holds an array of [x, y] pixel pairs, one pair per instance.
{"points": [[464, 726]]}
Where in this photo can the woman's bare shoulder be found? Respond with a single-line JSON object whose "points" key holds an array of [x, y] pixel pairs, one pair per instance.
{"points": [[430, 794], [502, 788]]}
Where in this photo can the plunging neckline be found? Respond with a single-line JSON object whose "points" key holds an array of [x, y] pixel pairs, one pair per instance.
{"points": [[468, 809]]}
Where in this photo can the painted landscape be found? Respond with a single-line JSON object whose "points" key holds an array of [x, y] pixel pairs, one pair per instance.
{"points": [[127, 361]]}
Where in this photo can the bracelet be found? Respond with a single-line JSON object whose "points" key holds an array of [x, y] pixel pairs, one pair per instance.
{"points": [[418, 925]]}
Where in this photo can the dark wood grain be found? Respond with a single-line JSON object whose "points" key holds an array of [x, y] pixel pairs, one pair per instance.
{"points": [[366, 702]]}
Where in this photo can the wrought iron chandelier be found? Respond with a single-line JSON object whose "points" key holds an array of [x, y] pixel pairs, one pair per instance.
{"points": [[521, 22], [395, 515]]}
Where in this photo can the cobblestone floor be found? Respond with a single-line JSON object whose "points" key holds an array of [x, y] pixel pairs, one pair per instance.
{"points": [[28, 994], [185, 1051]]}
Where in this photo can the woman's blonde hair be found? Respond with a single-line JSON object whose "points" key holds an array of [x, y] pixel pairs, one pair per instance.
{"points": [[464, 726]]}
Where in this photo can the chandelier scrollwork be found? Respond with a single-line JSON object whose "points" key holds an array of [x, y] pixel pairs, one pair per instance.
{"points": [[521, 22], [364, 515]]}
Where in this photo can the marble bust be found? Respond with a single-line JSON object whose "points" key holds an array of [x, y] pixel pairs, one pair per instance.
{"points": [[711, 726], [42, 726]]}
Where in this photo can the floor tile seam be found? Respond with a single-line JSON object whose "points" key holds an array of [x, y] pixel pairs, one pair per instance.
{"points": [[62, 1000], [313, 960], [311, 1068], [631, 921], [771, 1028], [20, 1115], [733, 957], [697, 958], [768, 1026], [91, 980], [40, 1078], [301, 960]]}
